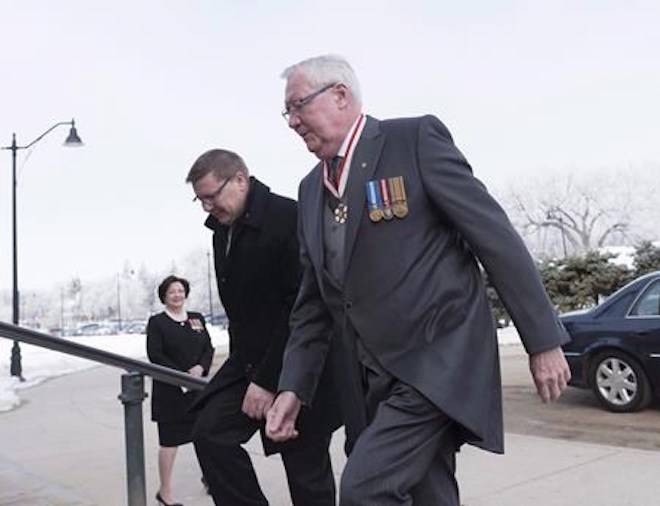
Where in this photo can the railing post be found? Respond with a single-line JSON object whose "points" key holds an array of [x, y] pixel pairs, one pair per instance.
{"points": [[132, 395]]}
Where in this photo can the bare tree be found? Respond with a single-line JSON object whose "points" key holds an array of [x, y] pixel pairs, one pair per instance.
{"points": [[131, 291], [571, 215]]}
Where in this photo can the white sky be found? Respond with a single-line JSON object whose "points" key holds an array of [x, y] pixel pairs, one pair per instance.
{"points": [[525, 87]]}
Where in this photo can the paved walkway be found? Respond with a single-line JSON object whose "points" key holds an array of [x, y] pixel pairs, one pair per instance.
{"points": [[65, 446]]}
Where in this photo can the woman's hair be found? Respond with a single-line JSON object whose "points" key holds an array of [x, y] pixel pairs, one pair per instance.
{"points": [[165, 284]]}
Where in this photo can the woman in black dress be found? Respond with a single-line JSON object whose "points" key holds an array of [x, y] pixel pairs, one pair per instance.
{"points": [[177, 339]]}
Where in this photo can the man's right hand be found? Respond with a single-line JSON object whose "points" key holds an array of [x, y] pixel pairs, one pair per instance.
{"points": [[281, 417], [550, 372], [257, 401]]}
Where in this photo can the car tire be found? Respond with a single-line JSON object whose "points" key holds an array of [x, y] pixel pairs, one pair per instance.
{"points": [[619, 382]]}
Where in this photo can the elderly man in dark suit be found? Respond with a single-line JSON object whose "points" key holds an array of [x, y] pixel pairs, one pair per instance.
{"points": [[392, 225], [256, 263]]}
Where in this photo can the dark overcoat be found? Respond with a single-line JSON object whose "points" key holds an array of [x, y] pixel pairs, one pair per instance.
{"points": [[412, 289], [258, 276], [180, 346]]}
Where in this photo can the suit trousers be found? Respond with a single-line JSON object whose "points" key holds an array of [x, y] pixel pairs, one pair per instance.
{"points": [[406, 453], [222, 428]]}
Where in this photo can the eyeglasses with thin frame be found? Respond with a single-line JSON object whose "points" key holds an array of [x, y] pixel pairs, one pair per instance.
{"points": [[296, 106], [209, 199]]}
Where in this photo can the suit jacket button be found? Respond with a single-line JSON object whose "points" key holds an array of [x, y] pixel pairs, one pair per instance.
{"points": [[223, 280], [348, 304]]}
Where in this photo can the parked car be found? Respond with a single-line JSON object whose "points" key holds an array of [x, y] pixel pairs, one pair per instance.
{"points": [[95, 329], [220, 320], [615, 347], [138, 327]]}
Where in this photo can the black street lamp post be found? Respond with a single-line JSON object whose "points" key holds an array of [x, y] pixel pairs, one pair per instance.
{"points": [[71, 140]]}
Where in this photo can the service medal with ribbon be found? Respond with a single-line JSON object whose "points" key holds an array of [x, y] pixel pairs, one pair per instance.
{"points": [[335, 180], [196, 325], [387, 201], [398, 193], [386, 198], [374, 201]]}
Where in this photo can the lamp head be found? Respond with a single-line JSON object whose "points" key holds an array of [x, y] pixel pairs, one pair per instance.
{"points": [[72, 139]]}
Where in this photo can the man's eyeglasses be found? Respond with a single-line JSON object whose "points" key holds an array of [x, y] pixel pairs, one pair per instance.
{"points": [[295, 106], [209, 199]]}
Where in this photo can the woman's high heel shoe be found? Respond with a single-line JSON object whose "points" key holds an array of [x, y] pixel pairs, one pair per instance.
{"points": [[163, 503]]}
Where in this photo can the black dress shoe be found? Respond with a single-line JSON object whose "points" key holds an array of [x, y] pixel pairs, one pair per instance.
{"points": [[163, 503]]}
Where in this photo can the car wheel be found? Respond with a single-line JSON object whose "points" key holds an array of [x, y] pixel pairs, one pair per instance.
{"points": [[619, 382]]}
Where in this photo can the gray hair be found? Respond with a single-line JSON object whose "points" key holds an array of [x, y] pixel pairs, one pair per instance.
{"points": [[327, 69], [221, 162]]}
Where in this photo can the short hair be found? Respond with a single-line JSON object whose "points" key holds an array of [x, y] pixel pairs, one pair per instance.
{"points": [[327, 69], [165, 284], [221, 162]]}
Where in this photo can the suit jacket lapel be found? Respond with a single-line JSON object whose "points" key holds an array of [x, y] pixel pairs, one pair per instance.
{"points": [[363, 165]]}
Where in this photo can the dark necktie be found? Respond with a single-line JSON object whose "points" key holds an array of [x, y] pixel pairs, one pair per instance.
{"points": [[334, 171]]}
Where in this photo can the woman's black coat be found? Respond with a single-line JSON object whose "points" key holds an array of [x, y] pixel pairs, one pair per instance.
{"points": [[180, 346]]}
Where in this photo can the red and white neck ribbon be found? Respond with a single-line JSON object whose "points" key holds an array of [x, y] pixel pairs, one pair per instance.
{"points": [[346, 153]]}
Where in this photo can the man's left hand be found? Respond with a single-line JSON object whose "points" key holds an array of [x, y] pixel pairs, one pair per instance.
{"points": [[550, 372], [257, 401], [196, 370]]}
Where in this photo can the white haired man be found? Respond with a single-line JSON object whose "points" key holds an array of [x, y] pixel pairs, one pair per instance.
{"points": [[391, 227]]}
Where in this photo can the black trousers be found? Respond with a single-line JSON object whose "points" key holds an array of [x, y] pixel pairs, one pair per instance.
{"points": [[222, 428], [406, 453]]}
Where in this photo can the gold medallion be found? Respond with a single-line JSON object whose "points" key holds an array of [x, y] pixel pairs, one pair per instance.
{"points": [[375, 215], [400, 209]]}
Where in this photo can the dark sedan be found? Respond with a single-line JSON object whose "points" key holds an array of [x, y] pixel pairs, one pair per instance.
{"points": [[615, 347]]}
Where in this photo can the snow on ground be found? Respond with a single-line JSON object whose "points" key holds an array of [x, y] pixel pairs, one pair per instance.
{"points": [[508, 336], [40, 364]]}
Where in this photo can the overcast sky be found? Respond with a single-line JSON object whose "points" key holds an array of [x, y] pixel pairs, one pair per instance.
{"points": [[527, 88]]}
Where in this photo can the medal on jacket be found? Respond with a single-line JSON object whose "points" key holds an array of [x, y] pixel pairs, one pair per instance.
{"points": [[340, 213], [398, 193], [196, 324], [374, 202], [387, 201], [386, 198], [337, 184]]}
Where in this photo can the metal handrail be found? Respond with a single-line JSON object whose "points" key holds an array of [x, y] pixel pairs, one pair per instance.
{"points": [[158, 372], [132, 394]]}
